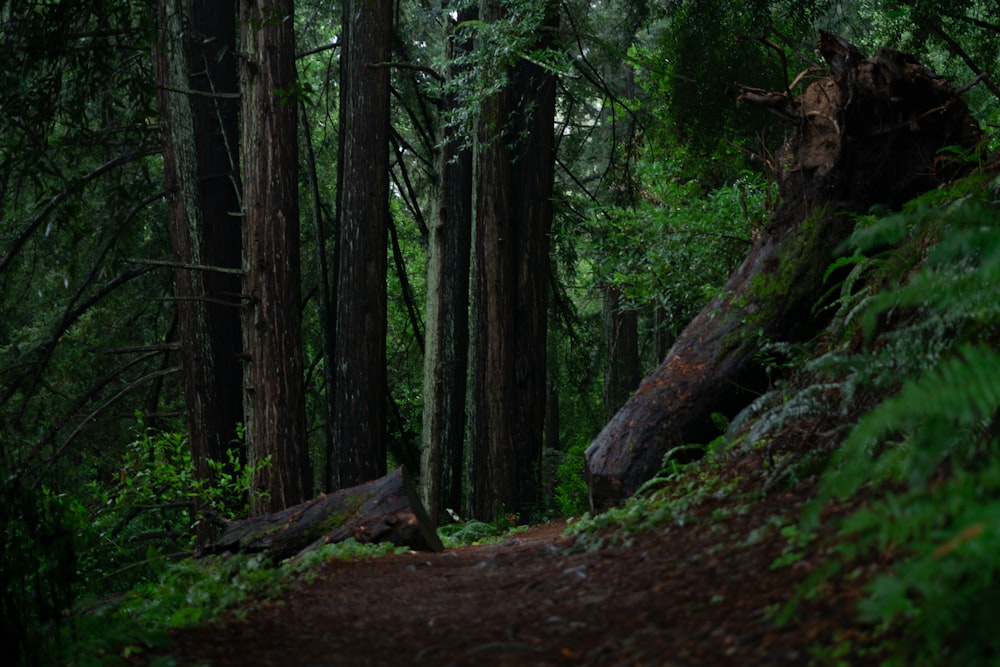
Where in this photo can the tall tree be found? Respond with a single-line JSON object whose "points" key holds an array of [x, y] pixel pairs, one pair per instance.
{"points": [[511, 280], [272, 337], [359, 414], [447, 334], [197, 92]]}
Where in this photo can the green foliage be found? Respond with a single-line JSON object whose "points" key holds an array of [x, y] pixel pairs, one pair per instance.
{"points": [[152, 501], [465, 533], [929, 346], [676, 248], [701, 49], [499, 44], [158, 468], [571, 491], [38, 568], [191, 592], [667, 499]]}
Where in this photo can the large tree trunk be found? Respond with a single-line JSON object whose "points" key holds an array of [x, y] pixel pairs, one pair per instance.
{"points": [[510, 286], [446, 352], [387, 509], [360, 362], [867, 133], [196, 52], [272, 329]]}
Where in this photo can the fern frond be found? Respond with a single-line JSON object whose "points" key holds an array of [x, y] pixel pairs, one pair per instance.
{"points": [[960, 273], [939, 414]]}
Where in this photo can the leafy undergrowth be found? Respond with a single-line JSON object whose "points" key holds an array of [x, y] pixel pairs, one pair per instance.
{"points": [[892, 417], [191, 592], [188, 593], [849, 516]]}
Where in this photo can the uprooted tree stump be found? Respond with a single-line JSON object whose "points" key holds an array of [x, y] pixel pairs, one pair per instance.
{"points": [[869, 132], [387, 509]]}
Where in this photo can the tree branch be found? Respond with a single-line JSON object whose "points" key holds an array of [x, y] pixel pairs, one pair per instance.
{"points": [[317, 49], [404, 283], [409, 66], [95, 414], [957, 49], [200, 93], [71, 188], [184, 265]]}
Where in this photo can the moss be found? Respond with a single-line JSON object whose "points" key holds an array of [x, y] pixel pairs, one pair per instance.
{"points": [[796, 260], [335, 520], [793, 275]]}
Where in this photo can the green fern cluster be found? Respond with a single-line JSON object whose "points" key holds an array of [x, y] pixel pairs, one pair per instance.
{"points": [[670, 499], [933, 337]]}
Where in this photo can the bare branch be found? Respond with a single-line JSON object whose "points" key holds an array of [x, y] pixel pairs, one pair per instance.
{"points": [[95, 414], [71, 188], [317, 49], [200, 93], [410, 66], [185, 265]]}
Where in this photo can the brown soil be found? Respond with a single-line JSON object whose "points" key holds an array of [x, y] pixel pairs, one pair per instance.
{"points": [[704, 593]]}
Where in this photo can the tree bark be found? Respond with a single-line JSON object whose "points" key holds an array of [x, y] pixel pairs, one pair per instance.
{"points": [[272, 327], [196, 52], [387, 509], [868, 133], [360, 366], [510, 286], [621, 334], [446, 351]]}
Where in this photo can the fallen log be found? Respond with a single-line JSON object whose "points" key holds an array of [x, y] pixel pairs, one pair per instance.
{"points": [[869, 132], [387, 509]]}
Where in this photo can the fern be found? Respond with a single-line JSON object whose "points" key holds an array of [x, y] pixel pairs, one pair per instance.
{"points": [[940, 415], [959, 273], [854, 293], [928, 351], [945, 596]]}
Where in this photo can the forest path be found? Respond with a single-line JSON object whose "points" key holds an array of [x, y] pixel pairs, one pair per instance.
{"points": [[701, 593]]}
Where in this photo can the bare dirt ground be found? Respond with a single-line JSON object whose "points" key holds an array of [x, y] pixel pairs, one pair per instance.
{"points": [[704, 593]]}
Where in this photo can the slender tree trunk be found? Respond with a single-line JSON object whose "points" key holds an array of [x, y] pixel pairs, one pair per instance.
{"points": [[326, 303], [621, 334], [510, 287], [447, 335], [273, 384], [196, 52], [663, 335], [360, 366]]}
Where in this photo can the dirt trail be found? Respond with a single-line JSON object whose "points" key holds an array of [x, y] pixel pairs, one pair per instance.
{"points": [[699, 594]]}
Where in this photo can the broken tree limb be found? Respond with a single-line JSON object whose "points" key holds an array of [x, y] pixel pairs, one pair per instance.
{"points": [[387, 509], [870, 132]]}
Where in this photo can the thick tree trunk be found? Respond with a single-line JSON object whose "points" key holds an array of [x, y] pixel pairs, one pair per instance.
{"points": [[201, 173], [273, 384], [360, 366], [387, 509], [510, 286], [446, 349], [446, 352], [867, 133]]}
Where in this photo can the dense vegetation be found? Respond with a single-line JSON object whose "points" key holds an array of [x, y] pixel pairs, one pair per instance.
{"points": [[660, 185]]}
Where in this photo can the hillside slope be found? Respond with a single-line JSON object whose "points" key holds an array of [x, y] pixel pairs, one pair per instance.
{"points": [[851, 515]]}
